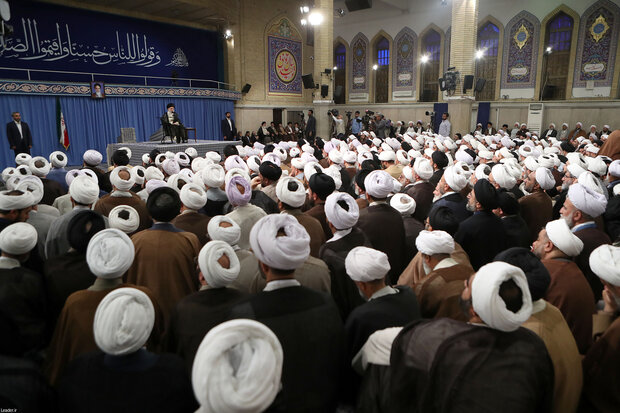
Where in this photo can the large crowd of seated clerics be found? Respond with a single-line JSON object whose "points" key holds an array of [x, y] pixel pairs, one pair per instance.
{"points": [[405, 272]]}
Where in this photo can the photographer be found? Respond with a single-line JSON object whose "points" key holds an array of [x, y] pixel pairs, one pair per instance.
{"points": [[340, 127], [356, 124]]}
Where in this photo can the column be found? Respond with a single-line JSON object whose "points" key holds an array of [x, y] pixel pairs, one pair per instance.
{"points": [[462, 58], [323, 59]]}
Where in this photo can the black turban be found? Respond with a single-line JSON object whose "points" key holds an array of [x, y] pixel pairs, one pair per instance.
{"points": [[268, 148], [440, 159], [405, 146], [79, 232], [322, 184], [120, 158], [361, 176], [270, 170], [164, 204], [153, 154], [486, 194], [169, 105], [538, 278], [230, 150], [508, 202], [443, 219]]}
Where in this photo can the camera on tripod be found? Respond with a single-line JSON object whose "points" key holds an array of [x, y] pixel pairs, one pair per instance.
{"points": [[333, 112]]}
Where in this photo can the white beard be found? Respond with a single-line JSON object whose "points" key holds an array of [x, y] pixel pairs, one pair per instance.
{"points": [[427, 269]]}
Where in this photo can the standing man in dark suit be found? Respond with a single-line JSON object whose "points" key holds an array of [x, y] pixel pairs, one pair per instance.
{"points": [[229, 130], [18, 133], [311, 126]]}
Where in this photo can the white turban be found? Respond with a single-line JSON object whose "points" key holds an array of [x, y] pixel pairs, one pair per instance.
{"points": [[587, 200], [293, 197], [531, 163], [193, 196], [575, 170], [614, 168], [455, 178], [215, 275], [503, 178], [22, 159], [561, 236], [482, 171], [125, 218], [294, 152], [336, 157], [58, 159], [487, 302], [40, 171], [463, 156], [545, 161], [213, 175], [588, 180], [127, 151], [237, 368], [286, 252], [434, 242], [23, 170], [170, 167], [214, 156], [138, 174], [182, 159], [310, 169], [253, 163], [123, 321], [235, 161], [597, 165], [366, 264], [334, 173], [153, 173], [84, 190], [545, 178], [32, 184], [199, 163], [153, 184], [92, 157], [192, 152], [11, 202], [230, 234], [387, 156], [379, 184], [423, 168], [403, 203], [110, 253], [271, 157], [605, 263], [236, 172], [18, 238], [338, 216], [120, 183]]}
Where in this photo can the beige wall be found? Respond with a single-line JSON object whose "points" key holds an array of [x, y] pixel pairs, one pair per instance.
{"points": [[250, 53]]}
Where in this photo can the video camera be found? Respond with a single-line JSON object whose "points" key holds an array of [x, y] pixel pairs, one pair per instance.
{"points": [[333, 112]]}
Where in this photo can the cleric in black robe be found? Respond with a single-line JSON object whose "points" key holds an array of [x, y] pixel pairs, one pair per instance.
{"points": [[22, 292], [342, 212], [490, 364], [482, 235], [306, 322], [386, 306], [517, 231], [124, 376], [69, 272], [195, 315]]}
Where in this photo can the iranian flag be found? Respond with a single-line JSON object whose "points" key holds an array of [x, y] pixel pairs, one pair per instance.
{"points": [[61, 126]]}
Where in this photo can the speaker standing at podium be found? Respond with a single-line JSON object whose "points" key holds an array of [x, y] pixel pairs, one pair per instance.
{"points": [[229, 131]]}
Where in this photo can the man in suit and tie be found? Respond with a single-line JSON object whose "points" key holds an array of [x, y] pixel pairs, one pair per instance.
{"points": [[229, 130], [18, 134]]}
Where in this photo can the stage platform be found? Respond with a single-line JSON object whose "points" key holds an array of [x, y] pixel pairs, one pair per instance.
{"points": [[140, 148]]}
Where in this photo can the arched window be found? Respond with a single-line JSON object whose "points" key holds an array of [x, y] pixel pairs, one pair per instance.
{"points": [[486, 65], [382, 58], [340, 64], [557, 57], [431, 49]]}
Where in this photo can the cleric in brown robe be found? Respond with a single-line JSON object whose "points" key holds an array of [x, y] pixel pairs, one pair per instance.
{"points": [[568, 289], [193, 198], [321, 186], [442, 219], [536, 208], [122, 182], [440, 290], [165, 254], [110, 253]]}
